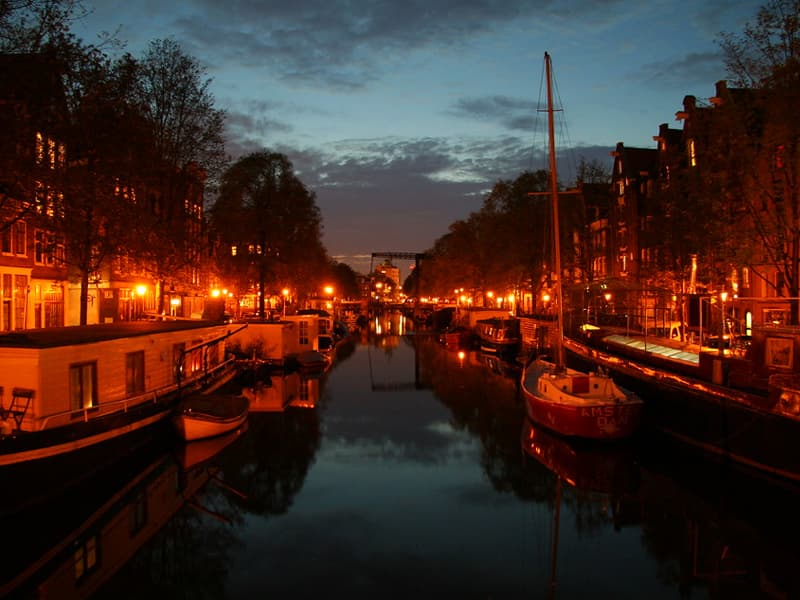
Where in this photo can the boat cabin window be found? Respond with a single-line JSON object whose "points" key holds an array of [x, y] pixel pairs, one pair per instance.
{"points": [[83, 385], [195, 357], [85, 557], [179, 360], [134, 373]]}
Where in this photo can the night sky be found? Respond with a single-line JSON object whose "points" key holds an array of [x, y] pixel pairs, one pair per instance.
{"points": [[400, 116]]}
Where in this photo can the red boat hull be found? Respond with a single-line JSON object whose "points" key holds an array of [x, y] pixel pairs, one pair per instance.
{"points": [[603, 421]]}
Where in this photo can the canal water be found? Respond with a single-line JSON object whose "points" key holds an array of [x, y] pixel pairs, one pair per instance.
{"points": [[410, 470]]}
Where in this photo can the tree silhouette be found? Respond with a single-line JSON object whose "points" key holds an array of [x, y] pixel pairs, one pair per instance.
{"points": [[269, 225]]}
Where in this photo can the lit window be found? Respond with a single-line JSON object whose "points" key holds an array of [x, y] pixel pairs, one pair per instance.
{"points": [[124, 191], [233, 250], [39, 148], [85, 557], [692, 154], [82, 385]]}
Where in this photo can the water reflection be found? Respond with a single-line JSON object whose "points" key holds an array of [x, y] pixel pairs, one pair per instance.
{"points": [[598, 483], [410, 470], [74, 545], [274, 392]]}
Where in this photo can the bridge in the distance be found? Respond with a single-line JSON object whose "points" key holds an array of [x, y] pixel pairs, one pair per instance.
{"points": [[415, 256]]}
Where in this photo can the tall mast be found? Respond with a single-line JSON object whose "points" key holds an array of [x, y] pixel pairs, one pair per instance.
{"points": [[559, 349]]}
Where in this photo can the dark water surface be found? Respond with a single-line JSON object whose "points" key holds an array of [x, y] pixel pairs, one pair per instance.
{"points": [[408, 471]]}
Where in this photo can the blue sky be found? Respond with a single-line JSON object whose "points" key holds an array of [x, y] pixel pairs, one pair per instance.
{"points": [[400, 116]]}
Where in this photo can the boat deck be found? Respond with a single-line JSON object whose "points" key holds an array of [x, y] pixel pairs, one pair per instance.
{"points": [[682, 354]]}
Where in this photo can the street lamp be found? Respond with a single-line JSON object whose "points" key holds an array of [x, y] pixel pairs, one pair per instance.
{"points": [[141, 290], [722, 298], [285, 293]]}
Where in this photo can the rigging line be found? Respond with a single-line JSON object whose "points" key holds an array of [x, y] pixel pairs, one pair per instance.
{"points": [[539, 162], [567, 148]]}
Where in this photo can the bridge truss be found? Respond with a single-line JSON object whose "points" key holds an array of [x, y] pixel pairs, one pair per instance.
{"points": [[415, 256]]}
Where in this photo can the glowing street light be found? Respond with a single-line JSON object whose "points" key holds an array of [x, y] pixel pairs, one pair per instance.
{"points": [[141, 290], [722, 298], [285, 294]]}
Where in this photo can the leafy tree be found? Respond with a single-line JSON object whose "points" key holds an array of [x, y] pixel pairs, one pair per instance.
{"points": [[345, 280], [524, 228], [455, 260], [269, 225]]}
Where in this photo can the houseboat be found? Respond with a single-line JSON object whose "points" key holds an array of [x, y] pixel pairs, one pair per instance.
{"points": [[741, 406], [71, 396], [280, 343], [500, 335]]}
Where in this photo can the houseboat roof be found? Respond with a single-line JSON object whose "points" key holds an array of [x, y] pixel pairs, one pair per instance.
{"points": [[53, 337]]}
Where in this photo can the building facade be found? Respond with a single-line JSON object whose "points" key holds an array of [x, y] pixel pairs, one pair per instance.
{"points": [[38, 285]]}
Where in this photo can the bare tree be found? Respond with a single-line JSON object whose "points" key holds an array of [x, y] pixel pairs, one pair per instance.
{"points": [[31, 34], [760, 187], [35, 26], [99, 201], [186, 151]]}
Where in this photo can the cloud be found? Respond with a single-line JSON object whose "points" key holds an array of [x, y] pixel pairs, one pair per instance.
{"points": [[333, 44], [702, 68], [511, 113], [411, 181], [289, 73]]}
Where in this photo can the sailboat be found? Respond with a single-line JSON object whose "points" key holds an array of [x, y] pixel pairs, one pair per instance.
{"points": [[564, 400]]}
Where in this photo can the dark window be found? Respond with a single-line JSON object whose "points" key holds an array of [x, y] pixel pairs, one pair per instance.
{"points": [[134, 373]]}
